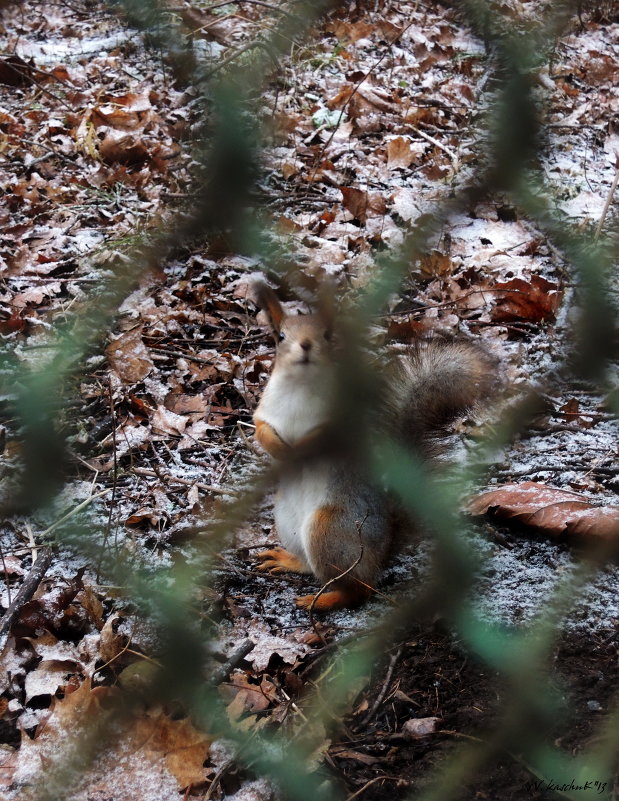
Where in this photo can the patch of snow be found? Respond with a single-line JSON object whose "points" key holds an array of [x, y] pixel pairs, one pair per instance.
{"points": [[66, 50]]}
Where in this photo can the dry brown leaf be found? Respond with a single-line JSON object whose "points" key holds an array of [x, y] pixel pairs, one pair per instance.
{"points": [[122, 147], [436, 263], [534, 301], [147, 744], [53, 611], [112, 643], [400, 153], [404, 203], [11, 566], [48, 677], [557, 513], [14, 71], [351, 31], [248, 696], [377, 99], [356, 202], [166, 422], [194, 406], [571, 411], [91, 603], [183, 747], [129, 357]]}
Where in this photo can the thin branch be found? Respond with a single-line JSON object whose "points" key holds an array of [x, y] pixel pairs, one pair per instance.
{"points": [[358, 792], [144, 471], [25, 593], [432, 140], [609, 200], [383, 692], [238, 655], [255, 3]]}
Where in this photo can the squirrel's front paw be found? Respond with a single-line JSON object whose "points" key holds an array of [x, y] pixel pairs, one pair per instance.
{"points": [[278, 560]]}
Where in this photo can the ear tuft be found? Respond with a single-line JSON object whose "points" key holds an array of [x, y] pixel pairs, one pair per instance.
{"points": [[268, 301]]}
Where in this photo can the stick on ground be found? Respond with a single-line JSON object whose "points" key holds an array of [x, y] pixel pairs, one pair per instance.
{"points": [[26, 591]]}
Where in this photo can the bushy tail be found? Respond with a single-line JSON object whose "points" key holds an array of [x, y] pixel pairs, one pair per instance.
{"points": [[433, 383]]}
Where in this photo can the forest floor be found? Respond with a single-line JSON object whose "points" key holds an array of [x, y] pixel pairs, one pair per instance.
{"points": [[371, 122]]}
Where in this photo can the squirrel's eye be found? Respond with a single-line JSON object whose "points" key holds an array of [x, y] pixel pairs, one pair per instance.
{"points": [[328, 335], [281, 337]]}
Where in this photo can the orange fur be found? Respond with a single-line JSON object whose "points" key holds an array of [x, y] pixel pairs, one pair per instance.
{"points": [[278, 560], [271, 441], [345, 598]]}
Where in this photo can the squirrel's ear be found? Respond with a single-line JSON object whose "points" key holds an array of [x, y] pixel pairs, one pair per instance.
{"points": [[268, 301], [325, 305]]}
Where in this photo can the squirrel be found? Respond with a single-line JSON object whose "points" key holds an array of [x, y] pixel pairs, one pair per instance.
{"points": [[332, 515]]}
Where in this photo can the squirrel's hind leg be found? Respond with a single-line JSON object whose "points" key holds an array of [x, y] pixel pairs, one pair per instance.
{"points": [[338, 549], [347, 597], [278, 560]]}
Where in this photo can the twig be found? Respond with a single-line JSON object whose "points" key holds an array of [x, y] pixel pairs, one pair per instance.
{"points": [[6, 573], [609, 200], [358, 792], [73, 511], [239, 52], [383, 691], [32, 543], [216, 779], [181, 355], [223, 671], [108, 526], [251, 445], [26, 591], [26, 73], [255, 3], [432, 140], [144, 471]]}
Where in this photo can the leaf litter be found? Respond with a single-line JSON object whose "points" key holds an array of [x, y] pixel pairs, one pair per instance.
{"points": [[350, 164]]}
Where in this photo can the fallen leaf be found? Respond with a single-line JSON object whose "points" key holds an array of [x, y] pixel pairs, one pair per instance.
{"points": [[571, 412], [533, 301], [129, 357], [14, 71], [146, 746], [183, 747], [166, 422], [52, 611], [122, 147], [436, 263], [400, 153], [356, 202], [48, 677], [557, 513], [404, 203], [248, 696]]}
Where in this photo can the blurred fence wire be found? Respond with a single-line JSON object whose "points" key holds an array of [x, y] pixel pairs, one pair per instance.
{"points": [[227, 155]]}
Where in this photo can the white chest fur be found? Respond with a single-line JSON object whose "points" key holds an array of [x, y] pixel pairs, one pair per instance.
{"points": [[298, 497], [295, 404]]}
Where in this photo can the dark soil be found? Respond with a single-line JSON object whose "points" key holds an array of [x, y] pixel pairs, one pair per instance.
{"points": [[436, 678]]}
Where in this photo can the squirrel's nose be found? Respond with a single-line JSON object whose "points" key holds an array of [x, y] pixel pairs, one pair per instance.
{"points": [[306, 345]]}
